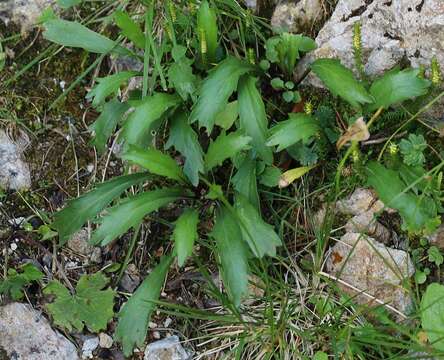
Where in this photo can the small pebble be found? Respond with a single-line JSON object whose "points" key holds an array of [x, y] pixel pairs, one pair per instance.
{"points": [[89, 346], [105, 341], [13, 246], [156, 335], [168, 321]]}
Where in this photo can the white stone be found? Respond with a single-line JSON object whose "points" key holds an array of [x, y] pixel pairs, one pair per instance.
{"points": [[26, 335], [166, 349], [105, 341], [295, 16], [391, 31], [23, 12], [14, 172], [89, 345]]}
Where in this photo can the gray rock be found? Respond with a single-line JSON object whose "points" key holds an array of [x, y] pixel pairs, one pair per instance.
{"points": [[79, 244], [23, 12], [26, 335], [166, 349], [360, 201], [130, 279], [366, 223], [371, 267], [295, 16], [89, 345], [14, 171], [391, 31]]}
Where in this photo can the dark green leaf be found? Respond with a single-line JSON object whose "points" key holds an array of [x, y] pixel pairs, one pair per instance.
{"points": [[216, 89], [418, 212], [137, 127], [181, 78], [108, 85], [185, 234], [14, 283], [130, 29], [432, 315], [397, 86], [80, 210], [131, 212], [245, 181], [90, 305], [341, 82], [106, 123], [259, 235], [253, 118], [225, 147], [271, 176], [207, 29], [226, 118], [155, 162], [134, 316], [184, 139], [297, 127], [232, 253], [74, 34]]}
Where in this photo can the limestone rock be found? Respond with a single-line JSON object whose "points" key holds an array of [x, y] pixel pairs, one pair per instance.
{"points": [[373, 268], [14, 171], [361, 201], [166, 349], [437, 238], [79, 244], [295, 16], [366, 223], [23, 12], [26, 335], [392, 31]]}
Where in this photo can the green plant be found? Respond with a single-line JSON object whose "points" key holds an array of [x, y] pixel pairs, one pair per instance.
{"points": [[413, 150], [16, 280]]}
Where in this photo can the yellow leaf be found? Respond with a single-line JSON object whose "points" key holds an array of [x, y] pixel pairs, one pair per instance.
{"points": [[291, 175], [358, 131]]}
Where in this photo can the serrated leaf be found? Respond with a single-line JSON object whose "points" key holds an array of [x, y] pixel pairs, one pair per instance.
{"points": [[185, 234], [216, 89], [224, 147], [397, 86], [245, 181], [226, 118], [232, 253], [341, 82], [271, 176], [15, 281], [107, 86], [184, 139], [80, 210], [298, 127], [259, 235], [155, 162], [418, 212], [90, 305], [432, 315], [106, 123], [131, 212], [134, 316], [130, 28], [74, 34], [140, 122], [207, 29], [181, 78], [253, 119]]}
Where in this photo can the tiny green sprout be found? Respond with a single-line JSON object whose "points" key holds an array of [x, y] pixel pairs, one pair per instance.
{"points": [[277, 83], [308, 108], [288, 96], [264, 65], [356, 155], [436, 72], [251, 56], [289, 85], [27, 226], [435, 256], [422, 70], [172, 11], [393, 149]]}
